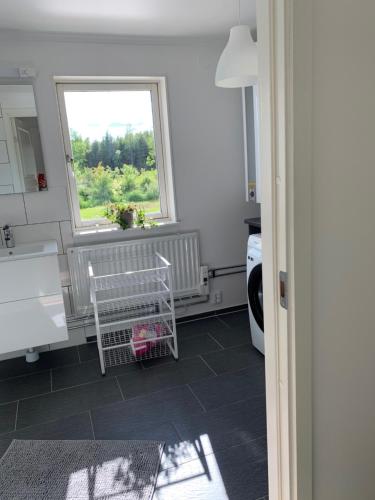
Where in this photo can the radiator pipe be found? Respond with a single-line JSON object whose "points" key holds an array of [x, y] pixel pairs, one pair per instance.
{"points": [[218, 272]]}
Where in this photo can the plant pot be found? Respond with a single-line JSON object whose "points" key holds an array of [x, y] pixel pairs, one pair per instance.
{"points": [[128, 218]]}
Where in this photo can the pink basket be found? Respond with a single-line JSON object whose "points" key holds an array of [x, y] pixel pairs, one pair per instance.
{"points": [[145, 336]]}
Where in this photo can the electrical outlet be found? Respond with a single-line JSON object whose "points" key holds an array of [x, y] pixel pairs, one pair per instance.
{"points": [[204, 280], [252, 191], [216, 297]]}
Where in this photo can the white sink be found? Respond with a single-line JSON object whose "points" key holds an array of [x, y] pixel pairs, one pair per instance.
{"points": [[29, 250]]}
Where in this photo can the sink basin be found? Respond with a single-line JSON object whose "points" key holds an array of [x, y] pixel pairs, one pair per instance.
{"points": [[29, 251]]}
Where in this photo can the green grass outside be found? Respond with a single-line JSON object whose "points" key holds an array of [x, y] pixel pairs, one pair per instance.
{"points": [[98, 212]]}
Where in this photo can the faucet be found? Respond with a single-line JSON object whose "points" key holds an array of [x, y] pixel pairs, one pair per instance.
{"points": [[8, 236]]}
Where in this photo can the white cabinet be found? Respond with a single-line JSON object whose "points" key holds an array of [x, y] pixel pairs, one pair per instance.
{"points": [[31, 302], [27, 278]]}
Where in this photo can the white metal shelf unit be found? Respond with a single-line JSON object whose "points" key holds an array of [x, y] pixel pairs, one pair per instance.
{"points": [[134, 309]]}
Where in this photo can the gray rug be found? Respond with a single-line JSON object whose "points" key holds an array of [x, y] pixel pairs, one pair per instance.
{"points": [[79, 470]]}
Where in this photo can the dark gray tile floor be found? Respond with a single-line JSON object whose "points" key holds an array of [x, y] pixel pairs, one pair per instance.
{"points": [[209, 407]]}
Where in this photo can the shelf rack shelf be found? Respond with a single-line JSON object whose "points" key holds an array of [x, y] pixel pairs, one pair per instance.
{"points": [[133, 308]]}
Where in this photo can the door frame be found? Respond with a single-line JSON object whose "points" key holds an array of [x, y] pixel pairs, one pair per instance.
{"points": [[285, 70]]}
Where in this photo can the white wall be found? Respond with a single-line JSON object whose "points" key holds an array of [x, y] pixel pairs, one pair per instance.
{"points": [[206, 135], [343, 249]]}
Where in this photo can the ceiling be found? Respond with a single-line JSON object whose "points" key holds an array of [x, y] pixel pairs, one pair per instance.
{"points": [[186, 18]]}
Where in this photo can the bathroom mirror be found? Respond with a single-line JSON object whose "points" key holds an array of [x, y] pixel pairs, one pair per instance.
{"points": [[21, 157]]}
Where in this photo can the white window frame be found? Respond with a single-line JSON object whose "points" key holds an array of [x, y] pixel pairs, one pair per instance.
{"points": [[157, 88]]}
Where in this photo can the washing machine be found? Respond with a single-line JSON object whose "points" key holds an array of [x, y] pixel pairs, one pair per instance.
{"points": [[255, 290]]}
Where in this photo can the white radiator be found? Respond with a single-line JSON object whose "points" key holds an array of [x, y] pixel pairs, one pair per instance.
{"points": [[182, 250]]}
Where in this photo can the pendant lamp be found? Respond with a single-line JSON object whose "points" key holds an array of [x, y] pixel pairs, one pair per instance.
{"points": [[238, 63]]}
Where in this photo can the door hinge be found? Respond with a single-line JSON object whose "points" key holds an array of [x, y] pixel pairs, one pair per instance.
{"points": [[283, 283]]}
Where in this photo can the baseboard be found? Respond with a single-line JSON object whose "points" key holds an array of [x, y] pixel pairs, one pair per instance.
{"points": [[209, 314]]}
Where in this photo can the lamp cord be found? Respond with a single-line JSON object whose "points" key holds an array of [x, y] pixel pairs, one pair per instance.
{"points": [[239, 11]]}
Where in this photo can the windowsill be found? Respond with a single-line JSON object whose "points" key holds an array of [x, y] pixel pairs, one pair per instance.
{"points": [[113, 232]]}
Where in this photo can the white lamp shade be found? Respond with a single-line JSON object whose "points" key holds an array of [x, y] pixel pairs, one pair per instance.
{"points": [[238, 63]]}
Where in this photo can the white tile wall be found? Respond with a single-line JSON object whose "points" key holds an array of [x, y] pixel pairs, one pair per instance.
{"points": [[6, 189], [66, 297], [5, 174], [2, 130], [47, 206], [64, 270], [66, 234], [12, 210], [90, 331], [4, 158], [38, 232], [76, 337]]}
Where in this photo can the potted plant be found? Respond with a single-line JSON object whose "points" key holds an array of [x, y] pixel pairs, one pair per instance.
{"points": [[128, 216], [143, 221], [124, 215]]}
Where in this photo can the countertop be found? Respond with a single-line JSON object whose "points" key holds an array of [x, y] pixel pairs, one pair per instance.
{"points": [[255, 222]]}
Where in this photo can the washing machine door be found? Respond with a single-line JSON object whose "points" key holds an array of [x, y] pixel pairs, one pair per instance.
{"points": [[255, 294]]}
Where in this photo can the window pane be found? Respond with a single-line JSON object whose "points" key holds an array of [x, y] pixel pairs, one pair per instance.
{"points": [[112, 138]]}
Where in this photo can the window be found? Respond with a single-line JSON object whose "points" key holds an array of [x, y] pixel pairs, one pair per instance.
{"points": [[116, 141]]}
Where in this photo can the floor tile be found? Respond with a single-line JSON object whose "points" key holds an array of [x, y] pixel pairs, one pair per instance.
{"points": [[157, 408], [70, 376], [88, 351], [198, 327], [234, 358], [49, 359], [188, 347], [7, 417], [231, 337], [177, 453], [230, 387], [163, 377], [209, 432], [83, 373], [125, 369], [24, 387], [236, 319], [208, 454], [67, 402], [163, 360], [15, 367], [224, 427], [60, 357], [74, 427], [237, 473], [193, 346], [4, 445], [164, 432]]}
